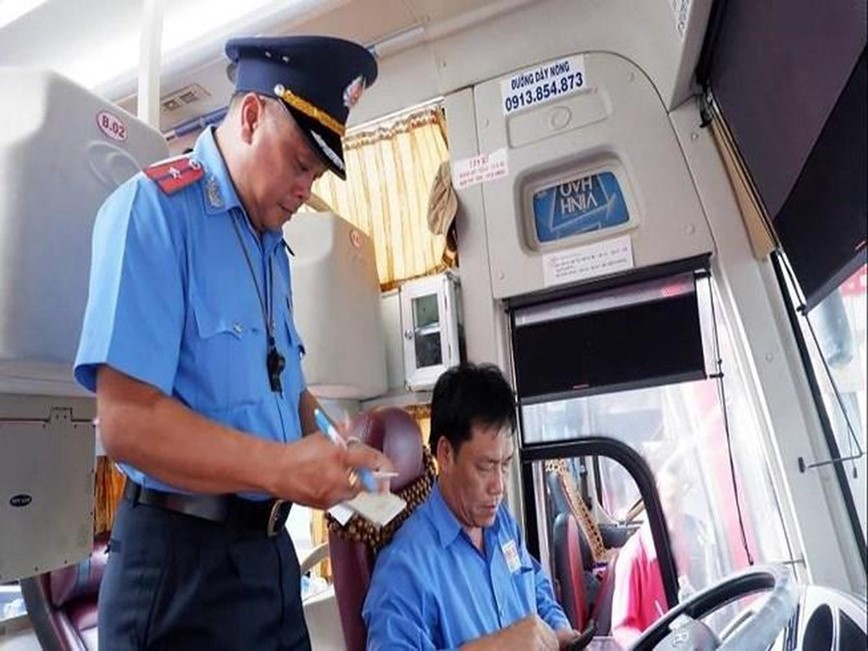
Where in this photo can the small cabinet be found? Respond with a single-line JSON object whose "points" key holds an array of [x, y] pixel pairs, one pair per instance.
{"points": [[431, 324]]}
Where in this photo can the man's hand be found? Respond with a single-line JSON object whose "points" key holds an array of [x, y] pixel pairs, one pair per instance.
{"points": [[530, 633], [316, 472], [566, 636]]}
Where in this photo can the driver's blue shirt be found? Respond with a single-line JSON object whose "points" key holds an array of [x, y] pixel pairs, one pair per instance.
{"points": [[433, 589], [172, 303]]}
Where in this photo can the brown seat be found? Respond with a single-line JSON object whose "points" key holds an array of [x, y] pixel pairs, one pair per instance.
{"points": [[62, 604], [396, 434]]}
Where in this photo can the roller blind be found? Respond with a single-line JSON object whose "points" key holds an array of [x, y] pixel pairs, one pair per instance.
{"points": [[789, 79]]}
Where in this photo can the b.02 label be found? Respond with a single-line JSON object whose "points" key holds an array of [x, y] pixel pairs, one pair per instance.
{"points": [[111, 125]]}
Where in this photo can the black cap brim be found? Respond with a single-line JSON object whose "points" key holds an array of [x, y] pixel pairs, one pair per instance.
{"points": [[325, 143]]}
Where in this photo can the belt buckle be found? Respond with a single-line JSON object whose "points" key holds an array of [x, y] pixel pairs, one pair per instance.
{"points": [[273, 517]]}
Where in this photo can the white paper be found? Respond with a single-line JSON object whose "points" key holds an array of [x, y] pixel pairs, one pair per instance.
{"points": [[583, 262], [467, 172], [341, 512], [379, 508]]}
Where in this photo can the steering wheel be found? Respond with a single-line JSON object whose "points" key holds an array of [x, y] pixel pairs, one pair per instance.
{"points": [[756, 631]]}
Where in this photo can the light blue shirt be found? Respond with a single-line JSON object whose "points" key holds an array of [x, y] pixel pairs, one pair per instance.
{"points": [[172, 303], [432, 589]]}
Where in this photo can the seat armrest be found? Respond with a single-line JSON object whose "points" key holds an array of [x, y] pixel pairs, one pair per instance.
{"points": [[316, 556]]}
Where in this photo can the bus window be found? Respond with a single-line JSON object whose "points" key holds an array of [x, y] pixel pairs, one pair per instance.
{"points": [[714, 449], [835, 336]]}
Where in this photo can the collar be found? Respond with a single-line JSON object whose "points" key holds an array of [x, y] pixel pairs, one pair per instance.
{"points": [[445, 523], [219, 192]]}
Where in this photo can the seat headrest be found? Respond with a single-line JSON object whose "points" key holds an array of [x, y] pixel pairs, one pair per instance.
{"points": [[80, 579], [394, 432]]}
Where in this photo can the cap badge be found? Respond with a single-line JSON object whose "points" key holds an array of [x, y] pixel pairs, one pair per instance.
{"points": [[353, 92]]}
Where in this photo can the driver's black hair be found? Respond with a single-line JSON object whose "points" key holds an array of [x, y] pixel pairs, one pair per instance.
{"points": [[470, 395]]}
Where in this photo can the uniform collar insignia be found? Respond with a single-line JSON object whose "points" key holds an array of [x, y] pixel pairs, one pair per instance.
{"points": [[212, 191]]}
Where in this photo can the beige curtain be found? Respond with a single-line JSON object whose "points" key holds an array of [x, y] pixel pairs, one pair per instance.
{"points": [[753, 212], [108, 488], [390, 169]]}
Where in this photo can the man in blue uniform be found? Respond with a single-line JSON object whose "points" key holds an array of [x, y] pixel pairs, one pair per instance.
{"points": [[457, 572], [190, 345]]}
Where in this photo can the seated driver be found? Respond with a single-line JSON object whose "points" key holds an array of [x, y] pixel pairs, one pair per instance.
{"points": [[457, 573]]}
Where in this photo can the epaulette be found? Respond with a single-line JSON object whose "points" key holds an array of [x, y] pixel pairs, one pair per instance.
{"points": [[173, 174]]}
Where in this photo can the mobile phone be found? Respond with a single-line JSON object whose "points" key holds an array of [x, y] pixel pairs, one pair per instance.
{"points": [[585, 637]]}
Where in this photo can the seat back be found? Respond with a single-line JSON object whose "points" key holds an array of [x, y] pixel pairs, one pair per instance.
{"points": [[62, 604], [396, 434], [569, 571], [561, 504], [603, 604]]}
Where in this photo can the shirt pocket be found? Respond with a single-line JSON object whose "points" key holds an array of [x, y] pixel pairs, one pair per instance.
{"points": [[228, 356], [524, 582]]}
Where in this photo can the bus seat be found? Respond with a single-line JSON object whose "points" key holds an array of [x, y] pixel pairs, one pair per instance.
{"points": [[62, 604], [557, 499], [602, 610], [393, 431], [562, 506], [569, 570], [564, 490]]}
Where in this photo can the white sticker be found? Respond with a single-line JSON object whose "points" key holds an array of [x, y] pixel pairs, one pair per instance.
{"points": [[590, 261], [681, 9], [111, 125], [479, 169], [543, 84], [510, 552]]}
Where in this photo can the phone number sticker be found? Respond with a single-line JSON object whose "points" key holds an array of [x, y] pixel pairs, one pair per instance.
{"points": [[543, 84]]}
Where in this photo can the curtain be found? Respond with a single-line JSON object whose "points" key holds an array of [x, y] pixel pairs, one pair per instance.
{"points": [[390, 168], [108, 486], [753, 213]]}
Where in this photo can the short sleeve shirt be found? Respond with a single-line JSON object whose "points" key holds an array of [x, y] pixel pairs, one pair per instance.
{"points": [[433, 589], [174, 302]]}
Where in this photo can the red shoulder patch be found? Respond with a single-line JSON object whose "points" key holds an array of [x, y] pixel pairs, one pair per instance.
{"points": [[174, 174]]}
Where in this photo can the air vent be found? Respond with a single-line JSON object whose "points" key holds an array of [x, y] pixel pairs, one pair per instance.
{"points": [[183, 97]]}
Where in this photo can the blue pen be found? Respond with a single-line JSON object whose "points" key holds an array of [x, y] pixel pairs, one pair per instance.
{"points": [[325, 425]]}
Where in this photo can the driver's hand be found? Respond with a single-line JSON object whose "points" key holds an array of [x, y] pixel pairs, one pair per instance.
{"points": [[566, 636]]}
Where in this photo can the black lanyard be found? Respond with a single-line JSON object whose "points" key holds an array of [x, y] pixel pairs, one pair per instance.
{"points": [[274, 361]]}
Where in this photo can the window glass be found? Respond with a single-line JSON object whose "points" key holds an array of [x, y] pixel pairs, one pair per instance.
{"points": [[836, 335], [426, 322], [11, 601], [707, 457]]}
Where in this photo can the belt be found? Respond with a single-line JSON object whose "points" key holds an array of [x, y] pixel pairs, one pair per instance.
{"points": [[233, 511]]}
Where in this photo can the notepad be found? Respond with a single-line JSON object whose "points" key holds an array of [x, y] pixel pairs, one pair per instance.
{"points": [[379, 508]]}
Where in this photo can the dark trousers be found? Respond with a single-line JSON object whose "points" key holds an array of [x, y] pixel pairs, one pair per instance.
{"points": [[179, 582]]}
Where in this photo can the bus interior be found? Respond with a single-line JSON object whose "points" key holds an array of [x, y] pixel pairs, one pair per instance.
{"points": [[650, 215]]}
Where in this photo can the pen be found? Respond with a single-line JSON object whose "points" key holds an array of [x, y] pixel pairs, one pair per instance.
{"points": [[325, 425]]}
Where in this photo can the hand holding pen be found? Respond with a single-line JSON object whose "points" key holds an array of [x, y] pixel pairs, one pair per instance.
{"points": [[368, 478]]}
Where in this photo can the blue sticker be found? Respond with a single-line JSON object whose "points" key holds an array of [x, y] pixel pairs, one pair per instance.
{"points": [[589, 203]]}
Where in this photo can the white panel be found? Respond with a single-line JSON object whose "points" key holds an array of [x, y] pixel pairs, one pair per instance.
{"points": [[57, 165], [46, 494], [617, 123], [336, 303], [390, 307]]}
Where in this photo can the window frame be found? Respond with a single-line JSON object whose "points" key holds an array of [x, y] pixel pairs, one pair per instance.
{"points": [[794, 312], [639, 471]]}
